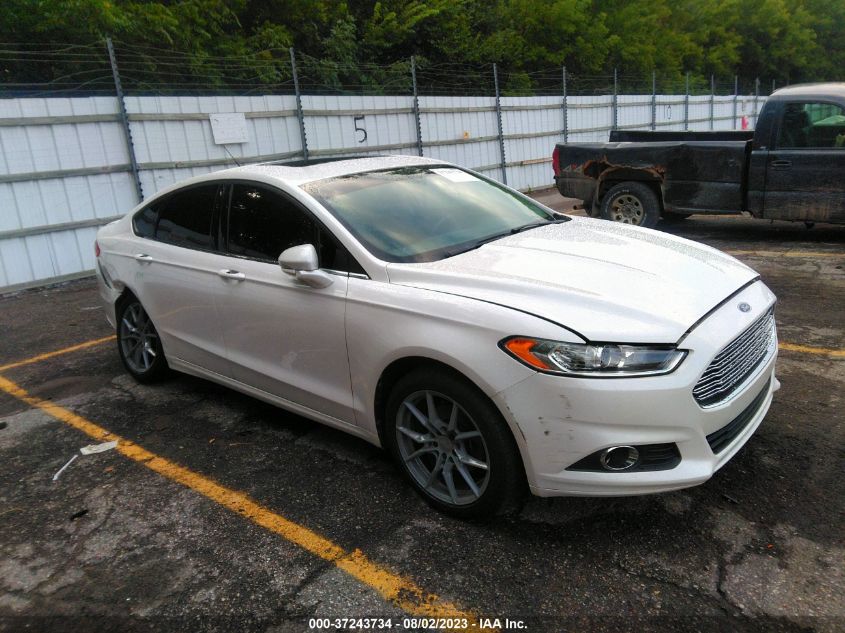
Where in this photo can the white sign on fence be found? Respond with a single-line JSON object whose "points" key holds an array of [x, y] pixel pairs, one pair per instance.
{"points": [[228, 127]]}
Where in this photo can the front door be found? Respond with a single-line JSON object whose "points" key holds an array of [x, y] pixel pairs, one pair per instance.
{"points": [[805, 172], [282, 336]]}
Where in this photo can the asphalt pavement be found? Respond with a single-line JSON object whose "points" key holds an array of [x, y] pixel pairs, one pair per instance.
{"points": [[220, 513]]}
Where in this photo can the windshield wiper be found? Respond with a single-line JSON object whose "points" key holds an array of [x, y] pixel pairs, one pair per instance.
{"points": [[492, 238], [534, 225]]}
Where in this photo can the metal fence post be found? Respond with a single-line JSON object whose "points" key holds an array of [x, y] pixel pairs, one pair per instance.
{"points": [[736, 96], [686, 104], [417, 121], [712, 99], [615, 115], [756, 97], [653, 100], [499, 121], [565, 110], [299, 114], [773, 86], [124, 119]]}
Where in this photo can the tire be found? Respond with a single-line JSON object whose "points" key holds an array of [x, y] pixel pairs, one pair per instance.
{"points": [[631, 203], [138, 343], [467, 431]]}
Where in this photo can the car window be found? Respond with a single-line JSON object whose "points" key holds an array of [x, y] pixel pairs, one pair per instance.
{"points": [[144, 222], [417, 214], [812, 125], [185, 218], [263, 223]]}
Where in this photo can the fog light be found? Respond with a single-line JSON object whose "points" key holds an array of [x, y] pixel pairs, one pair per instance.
{"points": [[618, 458]]}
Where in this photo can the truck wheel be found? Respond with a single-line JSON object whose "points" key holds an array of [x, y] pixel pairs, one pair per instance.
{"points": [[631, 203]]}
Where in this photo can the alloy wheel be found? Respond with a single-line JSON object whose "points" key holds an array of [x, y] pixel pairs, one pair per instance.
{"points": [[442, 448], [138, 339]]}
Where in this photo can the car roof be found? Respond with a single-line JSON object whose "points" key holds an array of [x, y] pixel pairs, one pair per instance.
{"points": [[813, 91], [301, 172]]}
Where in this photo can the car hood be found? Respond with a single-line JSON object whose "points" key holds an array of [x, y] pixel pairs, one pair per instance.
{"points": [[605, 281]]}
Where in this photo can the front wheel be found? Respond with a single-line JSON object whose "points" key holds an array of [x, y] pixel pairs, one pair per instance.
{"points": [[631, 203], [453, 446], [138, 343]]}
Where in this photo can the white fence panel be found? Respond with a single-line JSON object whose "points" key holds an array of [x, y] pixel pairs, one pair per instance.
{"points": [[359, 125], [590, 118], [173, 134], [59, 163], [462, 130], [532, 125], [64, 163], [634, 112]]}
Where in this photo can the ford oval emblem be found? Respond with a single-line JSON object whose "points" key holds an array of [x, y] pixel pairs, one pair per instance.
{"points": [[744, 307]]}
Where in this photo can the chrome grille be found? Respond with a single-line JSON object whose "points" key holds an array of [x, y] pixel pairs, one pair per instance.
{"points": [[735, 362]]}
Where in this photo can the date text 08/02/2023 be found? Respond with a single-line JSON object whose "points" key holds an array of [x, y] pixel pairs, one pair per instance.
{"points": [[416, 624]]}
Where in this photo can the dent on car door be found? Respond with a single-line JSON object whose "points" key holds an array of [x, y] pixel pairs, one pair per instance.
{"points": [[176, 273], [804, 170], [283, 337]]}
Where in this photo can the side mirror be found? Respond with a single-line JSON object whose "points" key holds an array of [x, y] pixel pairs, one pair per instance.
{"points": [[302, 263]]}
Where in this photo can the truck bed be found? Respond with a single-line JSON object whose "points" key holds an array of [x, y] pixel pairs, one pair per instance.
{"points": [[697, 171]]}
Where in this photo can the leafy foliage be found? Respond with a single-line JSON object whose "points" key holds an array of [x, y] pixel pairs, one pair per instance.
{"points": [[355, 45]]}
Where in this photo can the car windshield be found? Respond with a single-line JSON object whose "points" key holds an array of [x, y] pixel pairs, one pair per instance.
{"points": [[422, 214]]}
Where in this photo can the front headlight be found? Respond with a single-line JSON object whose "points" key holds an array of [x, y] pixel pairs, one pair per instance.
{"points": [[597, 360]]}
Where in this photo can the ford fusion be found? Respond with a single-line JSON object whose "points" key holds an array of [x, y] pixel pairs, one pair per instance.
{"points": [[488, 344]]}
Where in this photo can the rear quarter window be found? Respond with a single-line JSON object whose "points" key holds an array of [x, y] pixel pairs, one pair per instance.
{"points": [[144, 222]]}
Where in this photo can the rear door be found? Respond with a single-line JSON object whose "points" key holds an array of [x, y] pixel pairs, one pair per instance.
{"points": [[804, 171], [177, 273], [284, 337]]}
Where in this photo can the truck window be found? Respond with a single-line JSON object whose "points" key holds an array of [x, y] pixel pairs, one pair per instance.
{"points": [[815, 125]]}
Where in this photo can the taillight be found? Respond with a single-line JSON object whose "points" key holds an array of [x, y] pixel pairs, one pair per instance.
{"points": [[556, 160], [96, 249]]}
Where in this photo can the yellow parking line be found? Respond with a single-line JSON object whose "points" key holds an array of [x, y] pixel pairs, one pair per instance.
{"points": [[58, 352], [397, 589], [806, 349], [786, 253]]}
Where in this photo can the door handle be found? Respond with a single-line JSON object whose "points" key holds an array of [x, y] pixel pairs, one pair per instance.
{"points": [[781, 164], [143, 257], [231, 274]]}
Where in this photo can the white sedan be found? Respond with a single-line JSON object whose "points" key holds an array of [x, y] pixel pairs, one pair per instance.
{"points": [[485, 342]]}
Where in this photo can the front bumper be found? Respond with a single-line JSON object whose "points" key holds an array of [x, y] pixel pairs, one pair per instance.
{"points": [[559, 421]]}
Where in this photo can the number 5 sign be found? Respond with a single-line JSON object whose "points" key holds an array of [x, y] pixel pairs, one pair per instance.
{"points": [[358, 128]]}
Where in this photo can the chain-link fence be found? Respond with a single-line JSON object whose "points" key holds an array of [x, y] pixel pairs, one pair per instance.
{"points": [[50, 69]]}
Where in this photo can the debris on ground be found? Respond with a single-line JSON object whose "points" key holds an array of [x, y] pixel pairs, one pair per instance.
{"points": [[62, 469], [91, 449]]}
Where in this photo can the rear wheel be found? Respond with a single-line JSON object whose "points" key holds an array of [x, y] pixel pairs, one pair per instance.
{"points": [[631, 203], [453, 446], [138, 343]]}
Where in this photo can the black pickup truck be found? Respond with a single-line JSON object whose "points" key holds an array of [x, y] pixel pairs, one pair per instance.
{"points": [[791, 167]]}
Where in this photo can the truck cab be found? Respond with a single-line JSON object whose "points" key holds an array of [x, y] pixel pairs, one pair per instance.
{"points": [[797, 169]]}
